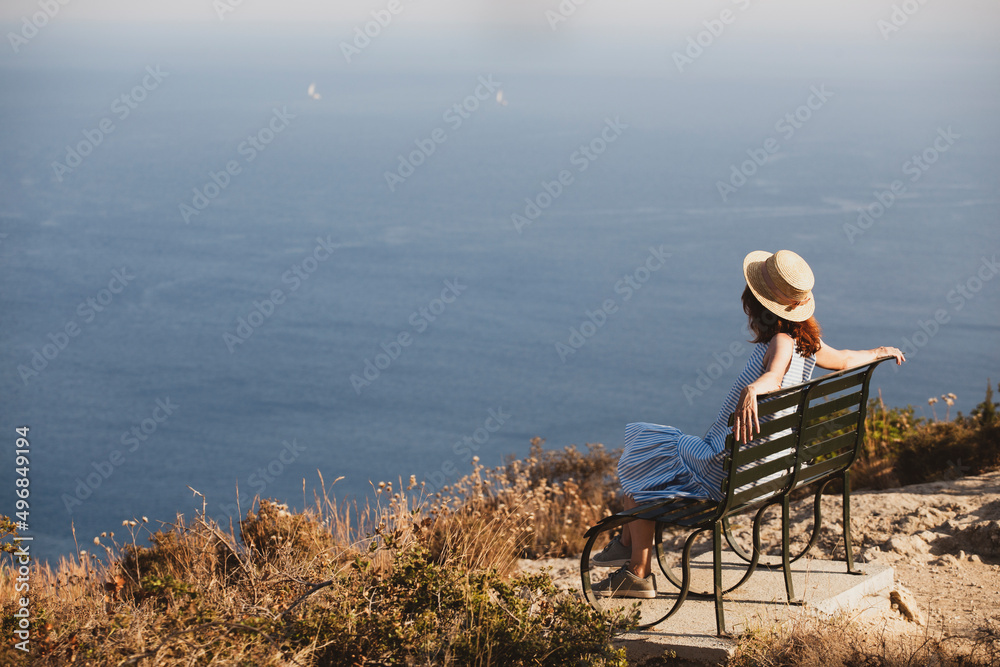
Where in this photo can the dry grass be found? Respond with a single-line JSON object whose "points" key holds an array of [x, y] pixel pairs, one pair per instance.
{"points": [[543, 505], [405, 579], [843, 642], [902, 449]]}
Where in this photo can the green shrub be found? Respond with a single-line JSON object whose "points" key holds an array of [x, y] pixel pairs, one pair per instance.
{"points": [[428, 613], [986, 411], [901, 448]]}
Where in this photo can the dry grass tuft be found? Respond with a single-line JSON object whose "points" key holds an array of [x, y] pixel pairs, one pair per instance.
{"points": [[538, 507], [841, 642]]}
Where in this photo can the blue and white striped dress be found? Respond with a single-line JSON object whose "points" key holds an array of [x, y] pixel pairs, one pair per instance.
{"points": [[661, 462]]}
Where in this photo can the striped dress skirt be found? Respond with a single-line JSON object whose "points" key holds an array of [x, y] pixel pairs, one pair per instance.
{"points": [[661, 462]]}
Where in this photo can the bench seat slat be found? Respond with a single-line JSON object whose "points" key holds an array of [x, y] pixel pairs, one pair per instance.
{"points": [[697, 519], [667, 510], [680, 511]]}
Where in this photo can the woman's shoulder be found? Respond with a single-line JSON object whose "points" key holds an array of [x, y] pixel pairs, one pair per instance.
{"points": [[781, 342]]}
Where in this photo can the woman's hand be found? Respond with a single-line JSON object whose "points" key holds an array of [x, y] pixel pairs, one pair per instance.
{"points": [[890, 352], [745, 420], [776, 362]]}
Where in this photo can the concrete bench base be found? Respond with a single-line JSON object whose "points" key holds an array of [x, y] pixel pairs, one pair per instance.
{"points": [[760, 603]]}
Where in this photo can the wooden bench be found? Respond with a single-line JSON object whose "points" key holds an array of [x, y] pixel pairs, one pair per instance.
{"points": [[811, 433]]}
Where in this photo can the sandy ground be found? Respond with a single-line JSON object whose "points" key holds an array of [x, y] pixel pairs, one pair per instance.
{"points": [[942, 538]]}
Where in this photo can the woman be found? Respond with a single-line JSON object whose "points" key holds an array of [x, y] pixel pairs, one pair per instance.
{"points": [[661, 462]]}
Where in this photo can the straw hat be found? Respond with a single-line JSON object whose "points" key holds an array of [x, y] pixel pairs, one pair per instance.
{"points": [[782, 282]]}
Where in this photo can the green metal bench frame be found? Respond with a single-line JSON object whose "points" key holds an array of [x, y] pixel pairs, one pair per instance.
{"points": [[819, 438]]}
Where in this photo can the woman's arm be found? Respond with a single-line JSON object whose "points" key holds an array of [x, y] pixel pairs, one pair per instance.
{"points": [[776, 362], [837, 360]]}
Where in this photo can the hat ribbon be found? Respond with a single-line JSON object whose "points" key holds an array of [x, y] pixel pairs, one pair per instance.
{"points": [[783, 297]]}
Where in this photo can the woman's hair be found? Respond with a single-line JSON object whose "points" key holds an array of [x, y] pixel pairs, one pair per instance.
{"points": [[765, 325]]}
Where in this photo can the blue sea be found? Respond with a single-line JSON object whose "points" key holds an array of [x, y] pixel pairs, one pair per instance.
{"points": [[234, 284]]}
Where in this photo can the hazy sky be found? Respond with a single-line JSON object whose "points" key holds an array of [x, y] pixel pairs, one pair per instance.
{"points": [[973, 17]]}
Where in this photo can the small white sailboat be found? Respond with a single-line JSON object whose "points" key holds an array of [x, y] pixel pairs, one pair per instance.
{"points": [[312, 92], [501, 100]]}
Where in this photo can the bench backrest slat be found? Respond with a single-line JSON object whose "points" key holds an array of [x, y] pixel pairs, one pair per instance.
{"points": [[832, 386], [758, 493], [826, 408], [772, 405], [751, 455], [777, 425], [832, 445], [765, 469], [824, 468], [830, 426]]}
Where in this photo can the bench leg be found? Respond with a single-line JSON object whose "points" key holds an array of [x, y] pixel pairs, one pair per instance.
{"points": [[848, 552], [720, 612], [786, 548]]}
